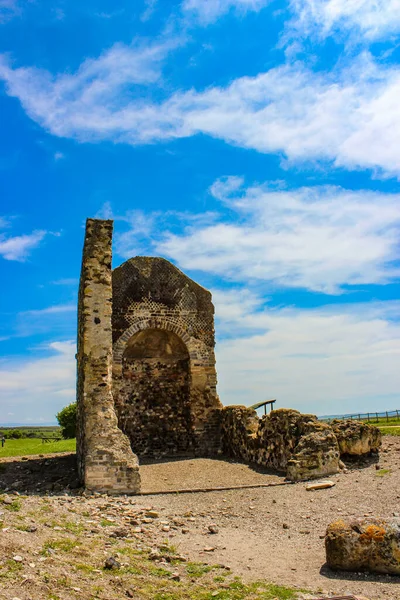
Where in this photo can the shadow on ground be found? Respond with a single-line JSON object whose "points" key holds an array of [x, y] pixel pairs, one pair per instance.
{"points": [[57, 473], [363, 462], [39, 475], [325, 571]]}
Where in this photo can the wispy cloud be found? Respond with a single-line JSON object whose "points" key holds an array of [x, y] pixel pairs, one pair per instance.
{"points": [[208, 11], [349, 116], [36, 389], [371, 19], [318, 238], [19, 247]]}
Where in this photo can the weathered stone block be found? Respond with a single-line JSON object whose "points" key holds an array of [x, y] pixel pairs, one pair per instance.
{"points": [[368, 544], [356, 438]]}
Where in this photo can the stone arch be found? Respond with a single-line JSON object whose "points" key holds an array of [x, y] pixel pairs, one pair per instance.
{"points": [[142, 324], [152, 390]]}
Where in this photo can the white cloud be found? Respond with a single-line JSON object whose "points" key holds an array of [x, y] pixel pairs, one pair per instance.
{"points": [[373, 19], [208, 11], [318, 238], [36, 389], [338, 359], [19, 247], [349, 117]]}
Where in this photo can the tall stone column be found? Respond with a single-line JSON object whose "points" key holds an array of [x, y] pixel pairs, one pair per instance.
{"points": [[106, 462]]}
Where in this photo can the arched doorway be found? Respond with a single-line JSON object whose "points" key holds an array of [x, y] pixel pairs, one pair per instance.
{"points": [[153, 394]]}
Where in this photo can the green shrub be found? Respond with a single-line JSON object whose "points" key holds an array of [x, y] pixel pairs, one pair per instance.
{"points": [[15, 434], [67, 420]]}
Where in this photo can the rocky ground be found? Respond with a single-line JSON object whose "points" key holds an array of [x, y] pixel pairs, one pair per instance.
{"points": [[55, 542]]}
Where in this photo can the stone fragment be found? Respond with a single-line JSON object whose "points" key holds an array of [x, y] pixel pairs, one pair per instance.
{"points": [[319, 485], [213, 528], [120, 533], [112, 563], [369, 544], [152, 514], [18, 558]]}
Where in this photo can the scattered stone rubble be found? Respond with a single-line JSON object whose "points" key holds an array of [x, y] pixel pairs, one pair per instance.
{"points": [[367, 544]]}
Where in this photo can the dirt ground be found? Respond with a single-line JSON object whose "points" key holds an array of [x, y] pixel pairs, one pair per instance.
{"points": [[273, 533]]}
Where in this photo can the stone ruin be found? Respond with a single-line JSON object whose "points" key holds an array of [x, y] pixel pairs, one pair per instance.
{"points": [[147, 381]]}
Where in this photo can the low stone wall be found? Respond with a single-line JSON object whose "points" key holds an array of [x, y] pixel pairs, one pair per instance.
{"points": [[298, 445], [356, 438], [285, 440]]}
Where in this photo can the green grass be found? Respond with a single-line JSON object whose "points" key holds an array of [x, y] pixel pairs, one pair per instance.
{"points": [[383, 421], [64, 545], [30, 446], [390, 430], [383, 472], [15, 505]]}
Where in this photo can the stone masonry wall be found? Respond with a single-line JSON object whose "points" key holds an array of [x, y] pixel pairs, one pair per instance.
{"points": [[285, 440], [299, 445], [105, 459], [164, 378]]}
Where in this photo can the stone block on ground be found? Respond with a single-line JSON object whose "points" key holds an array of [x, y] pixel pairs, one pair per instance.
{"points": [[356, 438], [368, 544]]}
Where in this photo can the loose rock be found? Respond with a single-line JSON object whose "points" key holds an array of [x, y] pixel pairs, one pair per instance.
{"points": [[368, 544], [112, 563]]}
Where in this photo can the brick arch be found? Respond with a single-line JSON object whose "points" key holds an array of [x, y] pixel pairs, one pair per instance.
{"points": [[143, 324]]}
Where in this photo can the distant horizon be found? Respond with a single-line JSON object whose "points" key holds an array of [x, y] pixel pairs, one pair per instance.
{"points": [[55, 424]]}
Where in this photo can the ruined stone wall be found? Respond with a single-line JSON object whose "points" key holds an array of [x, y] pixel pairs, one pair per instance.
{"points": [[285, 440], [299, 445], [164, 378], [105, 459]]}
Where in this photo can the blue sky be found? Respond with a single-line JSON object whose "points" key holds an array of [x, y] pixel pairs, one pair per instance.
{"points": [[254, 143]]}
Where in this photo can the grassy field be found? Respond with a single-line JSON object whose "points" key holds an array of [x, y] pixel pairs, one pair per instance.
{"points": [[29, 446], [390, 430], [33, 431]]}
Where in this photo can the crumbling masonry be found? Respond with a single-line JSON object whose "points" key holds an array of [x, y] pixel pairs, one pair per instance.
{"points": [[147, 380]]}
